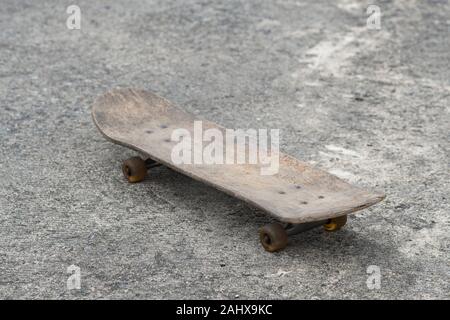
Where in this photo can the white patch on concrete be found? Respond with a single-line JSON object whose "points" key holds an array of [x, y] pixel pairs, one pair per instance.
{"points": [[352, 6], [345, 175], [347, 157], [280, 273], [346, 152], [297, 33], [329, 55], [328, 155], [332, 54]]}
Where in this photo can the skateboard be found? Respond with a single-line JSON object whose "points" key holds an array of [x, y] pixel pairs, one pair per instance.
{"points": [[299, 197]]}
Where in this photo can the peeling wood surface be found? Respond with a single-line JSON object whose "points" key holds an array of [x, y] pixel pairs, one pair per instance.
{"points": [[298, 193]]}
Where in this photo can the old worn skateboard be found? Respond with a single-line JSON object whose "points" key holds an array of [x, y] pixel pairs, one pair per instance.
{"points": [[299, 196]]}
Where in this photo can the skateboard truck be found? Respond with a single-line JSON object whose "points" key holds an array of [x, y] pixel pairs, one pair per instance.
{"points": [[273, 236]]}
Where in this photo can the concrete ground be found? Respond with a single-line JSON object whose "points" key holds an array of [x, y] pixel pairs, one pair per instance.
{"points": [[371, 106]]}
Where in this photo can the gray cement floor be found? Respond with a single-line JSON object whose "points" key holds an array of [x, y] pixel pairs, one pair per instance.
{"points": [[371, 106]]}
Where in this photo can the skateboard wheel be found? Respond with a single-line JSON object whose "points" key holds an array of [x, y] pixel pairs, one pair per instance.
{"points": [[273, 237], [134, 169], [334, 224]]}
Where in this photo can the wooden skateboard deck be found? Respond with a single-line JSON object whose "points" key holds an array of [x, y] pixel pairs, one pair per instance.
{"points": [[298, 193]]}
